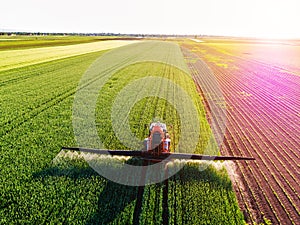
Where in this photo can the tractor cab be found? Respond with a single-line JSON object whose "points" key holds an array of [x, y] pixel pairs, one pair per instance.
{"points": [[158, 140], [158, 124]]}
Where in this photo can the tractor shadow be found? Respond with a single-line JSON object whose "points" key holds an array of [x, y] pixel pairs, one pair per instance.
{"points": [[115, 198], [112, 201]]}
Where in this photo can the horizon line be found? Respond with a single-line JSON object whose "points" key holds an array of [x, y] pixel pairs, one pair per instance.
{"points": [[13, 31]]}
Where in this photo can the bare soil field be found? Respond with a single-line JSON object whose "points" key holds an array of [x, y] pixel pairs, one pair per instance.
{"points": [[261, 86]]}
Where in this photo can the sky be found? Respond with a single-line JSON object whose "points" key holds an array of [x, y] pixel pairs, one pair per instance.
{"points": [[246, 18]]}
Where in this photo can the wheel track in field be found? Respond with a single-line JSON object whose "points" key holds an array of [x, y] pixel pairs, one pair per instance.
{"points": [[109, 139], [152, 102], [141, 190], [165, 212], [279, 183]]}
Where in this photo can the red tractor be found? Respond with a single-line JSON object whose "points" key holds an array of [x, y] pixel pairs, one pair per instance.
{"points": [[158, 140], [156, 148]]}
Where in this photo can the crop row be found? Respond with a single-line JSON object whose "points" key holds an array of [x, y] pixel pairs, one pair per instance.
{"points": [[40, 184], [43, 87], [153, 200], [144, 111]]}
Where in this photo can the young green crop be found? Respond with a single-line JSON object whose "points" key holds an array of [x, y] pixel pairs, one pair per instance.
{"points": [[37, 186], [151, 107]]}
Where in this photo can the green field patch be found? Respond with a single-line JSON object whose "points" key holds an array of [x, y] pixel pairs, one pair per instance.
{"points": [[27, 91], [41, 185], [151, 107], [18, 58]]}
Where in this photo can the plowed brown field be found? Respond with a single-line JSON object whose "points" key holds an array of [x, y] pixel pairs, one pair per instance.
{"points": [[263, 121]]}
